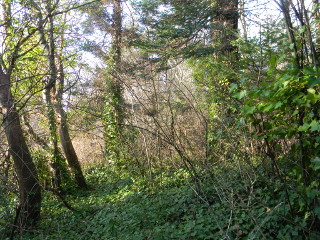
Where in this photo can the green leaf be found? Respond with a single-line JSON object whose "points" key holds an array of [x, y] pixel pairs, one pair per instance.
{"points": [[282, 57], [278, 105], [265, 93], [312, 81], [304, 128], [285, 83], [311, 90], [240, 95], [313, 96], [316, 163], [233, 87], [248, 110], [302, 30], [314, 126], [267, 108]]}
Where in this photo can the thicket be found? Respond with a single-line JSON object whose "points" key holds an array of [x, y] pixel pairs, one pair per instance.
{"points": [[188, 127]]}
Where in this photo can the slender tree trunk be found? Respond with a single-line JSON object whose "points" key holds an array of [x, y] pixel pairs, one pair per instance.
{"points": [[58, 163], [29, 188], [69, 151], [116, 48], [284, 6], [65, 139], [117, 31], [312, 45], [57, 87], [53, 96], [114, 109], [316, 17]]}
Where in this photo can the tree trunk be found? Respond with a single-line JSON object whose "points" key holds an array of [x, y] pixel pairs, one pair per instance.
{"points": [[53, 97], [68, 149], [316, 17], [29, 188], [228, 16], [116, 48], [114, 109], [61, 173], [65, 139], [57, 162]]}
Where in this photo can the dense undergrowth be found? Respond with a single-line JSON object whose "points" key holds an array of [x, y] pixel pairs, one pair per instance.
{"points": [[232, 203]]}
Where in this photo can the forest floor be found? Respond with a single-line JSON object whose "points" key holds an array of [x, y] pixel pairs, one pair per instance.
{"points": [[229, 205]]}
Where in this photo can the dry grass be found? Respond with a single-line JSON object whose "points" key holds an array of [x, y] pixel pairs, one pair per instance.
{"points": [[89, 148]]}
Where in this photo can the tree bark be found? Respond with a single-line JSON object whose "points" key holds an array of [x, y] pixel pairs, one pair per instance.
{"points": [[63, 128], [116, 48], [316, 17], [47, 40], [29, 188], [65, 138], [56, 161], [68, 149], [228, 16], [114, 109]]}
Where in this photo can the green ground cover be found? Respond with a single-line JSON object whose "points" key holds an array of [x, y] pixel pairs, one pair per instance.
{"points": [[229, 205]]}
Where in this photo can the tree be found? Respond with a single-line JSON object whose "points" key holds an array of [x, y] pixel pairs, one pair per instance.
{"points": [[226, 23], [204, 32], [65, 138], [47, 40], [114, 101], [28, 212], [283, 109], [114, 110], [53, 92]]}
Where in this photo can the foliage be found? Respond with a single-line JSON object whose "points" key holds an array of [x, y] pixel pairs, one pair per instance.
{"points": [[207, 135], [284, 111], [120, 207], [41, 162], [176, 28], [8, 199]]}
